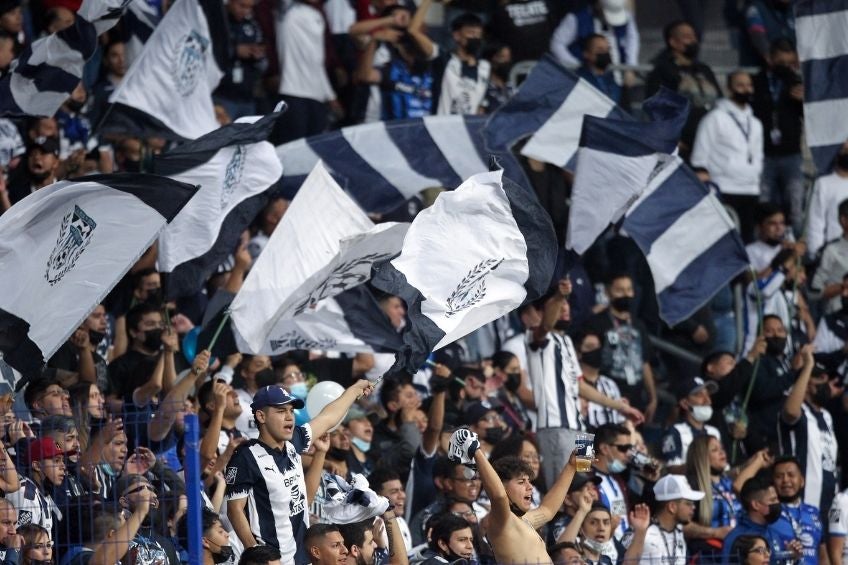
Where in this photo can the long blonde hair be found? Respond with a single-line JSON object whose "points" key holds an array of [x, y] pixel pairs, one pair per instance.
{"points": [[698, 473]]}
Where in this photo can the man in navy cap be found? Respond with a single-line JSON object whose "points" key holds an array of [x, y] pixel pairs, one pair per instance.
{"points": [[266, 490], [42, 163]]}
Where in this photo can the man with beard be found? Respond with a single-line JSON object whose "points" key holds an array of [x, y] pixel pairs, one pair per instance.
{"points": [[555, 377], [147, 547], [34, 500], [368, 544], [762, 517], [805, 430], [675, 506], [511, 525], [42, 163], [804, 518]]}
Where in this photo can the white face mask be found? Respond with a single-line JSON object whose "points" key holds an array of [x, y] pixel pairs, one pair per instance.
{"points": [[613, 4], [597, 546], [702, 413]]}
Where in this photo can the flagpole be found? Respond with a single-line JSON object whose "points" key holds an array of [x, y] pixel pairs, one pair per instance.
{"points": [[218, 331], [756, 366]]}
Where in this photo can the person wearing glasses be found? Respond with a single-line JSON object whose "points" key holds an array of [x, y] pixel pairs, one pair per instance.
{"points": [[750, 550], [147, 547], [694, 399], [38, 548], [675, 507], [612, 455]]}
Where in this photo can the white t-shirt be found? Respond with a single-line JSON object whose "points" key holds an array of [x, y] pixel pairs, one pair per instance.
{"points": [[668, 548], [245, 422]]}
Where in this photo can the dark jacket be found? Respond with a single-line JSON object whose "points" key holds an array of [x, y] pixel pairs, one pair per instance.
{"points": [[778, 112]]}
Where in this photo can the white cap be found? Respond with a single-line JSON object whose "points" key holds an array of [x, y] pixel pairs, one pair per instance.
{"points": [[615, 12], [675, 487]]}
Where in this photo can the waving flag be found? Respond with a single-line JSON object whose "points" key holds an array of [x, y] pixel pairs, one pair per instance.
{"points": [[168, 90], [549, 106], [235, 166], [383, 164], [478, 253], [691, 244], [324, 245], [615, 161], [50, 69], [820, 26], [64, 247], [139, 23]]}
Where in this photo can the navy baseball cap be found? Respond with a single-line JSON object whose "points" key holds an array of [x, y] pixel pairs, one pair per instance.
{"points": [[274, 395], [477, 410]]}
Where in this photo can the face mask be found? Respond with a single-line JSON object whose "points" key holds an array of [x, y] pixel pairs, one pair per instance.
{"points": [[154, 296], [473, 45], [265, 377], [225, 554], [132, 166], [493, 435], [95, 337], [74, 105], [773, 241], [615, 466], [775, 345], [702, 413], [38, 177], [107, 469], [337, 454], [741, 97], [361, 444], [603, 60], [842, 161], [785, 73], [562, 325], [622, 303], [591, 358], [41, 562], [502, 70], [152, 339], [821, 394], [596, 546], [844, 303], [773, 513], [691, 51], [513, 381], [299, 390]]}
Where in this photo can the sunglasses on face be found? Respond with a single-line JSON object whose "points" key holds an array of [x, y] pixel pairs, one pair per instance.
{"points": [[623, 448], [140, 488]]}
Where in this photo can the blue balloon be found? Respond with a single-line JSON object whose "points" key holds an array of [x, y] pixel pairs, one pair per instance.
{"points": [[190, 344], [301, 416]]}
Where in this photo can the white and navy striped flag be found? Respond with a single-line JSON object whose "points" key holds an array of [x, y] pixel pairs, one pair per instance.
{"points": [[476, 254], [47, 71], [821, 27], [168, 90], [549, 106], [64, 247], [692, 246], [138, 25], [235, 166], [383, 164], [325, 244], [615, 161]]}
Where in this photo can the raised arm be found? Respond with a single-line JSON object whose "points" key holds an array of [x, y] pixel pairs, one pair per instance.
{"points": [[555, 497], [335, 411], [436, 414], [499, 511], [792, 407]]}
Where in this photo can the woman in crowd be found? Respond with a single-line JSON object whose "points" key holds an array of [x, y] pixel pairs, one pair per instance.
{"points": [[751, 550], [88, 408], [38, 547]]}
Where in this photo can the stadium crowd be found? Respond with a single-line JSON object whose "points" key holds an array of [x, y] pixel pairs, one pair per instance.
{"points": [[716, 440]]}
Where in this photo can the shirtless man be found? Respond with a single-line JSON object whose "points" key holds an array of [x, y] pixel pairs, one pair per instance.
{"points": [[511, 525]]}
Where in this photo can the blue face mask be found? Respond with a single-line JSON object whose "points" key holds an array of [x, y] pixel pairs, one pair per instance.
{"points": [[299, 390], [615, 466], [361, 444], [107, 468]]}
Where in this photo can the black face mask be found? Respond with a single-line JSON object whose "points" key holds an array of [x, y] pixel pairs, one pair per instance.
{"points": [[562, 325], [591, 358], [821, 394], [622, 303], [95, 337], [773, 513], [155, 296], [603, 60], [513, 380], [74, 105], [38, 177], [493, 435], [691, 51], [772, 241], [741, 97], [501, 70], [775, 346], [844, 300], [473, 45], [785, 73], [337, 454], [132, 166], [153, 339], [842, 161], [225, 554]]}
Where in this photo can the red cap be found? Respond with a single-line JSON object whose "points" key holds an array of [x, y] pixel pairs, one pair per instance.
{"points": [[44, 448]]}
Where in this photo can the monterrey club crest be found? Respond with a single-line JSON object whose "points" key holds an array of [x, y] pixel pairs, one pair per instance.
{"points": [[74, 237], [232, 175], [189, 62], [472, 288], [294, 340], [345, 276]]}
